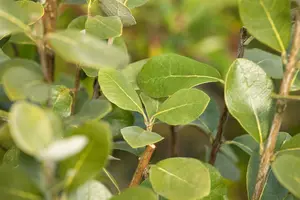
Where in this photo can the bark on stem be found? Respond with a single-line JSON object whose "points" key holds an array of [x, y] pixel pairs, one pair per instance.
{"points": [[280, 108], [143, 163], [76, 88], [218, 140]]}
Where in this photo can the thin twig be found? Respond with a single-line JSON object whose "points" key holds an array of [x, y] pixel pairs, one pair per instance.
{"points": [[174, 141], [76, 88], [278, 117], [143, 163], [223, 118], [287, 97]]}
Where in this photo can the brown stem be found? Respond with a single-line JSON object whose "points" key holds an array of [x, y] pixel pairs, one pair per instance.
{"points": [[76, 88], [43, 60], [218, 140], [278, 117], [96, 91], [174, 141], [49, 20], [143, 163]]}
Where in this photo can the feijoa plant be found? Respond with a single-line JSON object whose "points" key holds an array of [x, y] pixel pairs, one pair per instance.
{"points": [[58, 138]]}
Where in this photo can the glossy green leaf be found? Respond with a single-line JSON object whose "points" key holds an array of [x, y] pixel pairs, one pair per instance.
{"points": [[17, 80], [268, 21], [104, 27], [293, 143], [151, 105], [64, 148], [116, 8], [118, 90], [175, 178], [207, 120], [87, 164], [15, 184], [245, 142], [30, 136], [177, 110], [248, 97], [137, 137], [86, 50], [90, 72], [270, 63], [124, 146], [61, 100], [12, 18], [136, 193], [218, 189], [163, 75], [286, 170], [94, 109], [78, 23], [119, 119], [135, 3], [91, 190], [272, 188], [34, 10], [131, 72]]}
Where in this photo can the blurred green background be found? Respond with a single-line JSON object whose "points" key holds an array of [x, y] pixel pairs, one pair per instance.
{"points": [[206, 30]]}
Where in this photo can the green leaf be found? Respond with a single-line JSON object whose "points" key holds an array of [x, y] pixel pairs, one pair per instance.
{"points": [[163, 75], [119, 119], [12, 18], [3, 56], [87, 164], [21, 38], [151, 105], [86, 50], [11, 157], [245, 142], [135, 3], [64, 148], [34, 10], [137, 137], [175, 178], [124, 146], [30, 136], [218, 189], [18, 80], [293, 143], [78, 23], [136, 193], [37, 91], [61, 100], [3, 115], [91, 190], [270, 63], [104, 27], [248, 97], [177, 110], [286, 170], [268, 21], [272, 188], [94, 109], [207, 120], [116, 8], [131, 72], [15, 184], [118, 91], [90, 72]]}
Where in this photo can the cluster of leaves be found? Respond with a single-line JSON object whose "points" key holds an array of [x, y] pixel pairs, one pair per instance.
{"points": [[56, 145]]}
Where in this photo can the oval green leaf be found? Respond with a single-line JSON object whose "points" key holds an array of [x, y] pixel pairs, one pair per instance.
{"points": [[135, 3], [136, 193], [177, 110], [118, 91], [268, 21], [175, 178], [248, 97], [137, 137], [151, 105], [82, 167], [86, 50], [286, 170], [163, 75], [104, 27], [61, 100], [131, 72], [30, 136]]}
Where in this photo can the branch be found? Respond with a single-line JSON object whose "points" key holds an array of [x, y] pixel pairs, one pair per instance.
{"points": [[76, 88], [218, 140], [278, 117], [174, 140]]}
